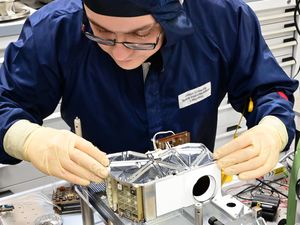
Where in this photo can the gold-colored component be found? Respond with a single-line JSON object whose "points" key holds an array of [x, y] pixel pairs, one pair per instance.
{"points": [[125, 199], [111, 193], [173, 140], [250, 105], [65, 200], [225, 178], [130, 202]]}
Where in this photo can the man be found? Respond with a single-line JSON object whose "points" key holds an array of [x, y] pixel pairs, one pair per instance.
{"points": [[131, 68]]}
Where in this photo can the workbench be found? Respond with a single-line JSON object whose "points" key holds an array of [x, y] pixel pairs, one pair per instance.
{"points": [[31, 204]]}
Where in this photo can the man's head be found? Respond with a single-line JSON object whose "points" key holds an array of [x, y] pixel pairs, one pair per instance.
{"points": [[129, 34], [140, 21]]}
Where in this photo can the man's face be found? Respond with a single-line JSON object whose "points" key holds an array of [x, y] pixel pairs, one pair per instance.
{"points": [[141, 29]]}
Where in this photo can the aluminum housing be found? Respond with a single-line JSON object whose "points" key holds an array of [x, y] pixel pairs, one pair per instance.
{"points": [[142, 187]]}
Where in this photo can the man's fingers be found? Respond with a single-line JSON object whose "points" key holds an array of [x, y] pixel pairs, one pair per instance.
{"points": [[251, 164], [66, 175], [75, 168], [88, 148], [260, 171], [270, 161], [88, 163], [261, 161], [241, 142], [238, 156]]}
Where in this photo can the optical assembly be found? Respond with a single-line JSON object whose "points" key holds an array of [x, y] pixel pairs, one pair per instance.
{"points": [[178, 185], [142, 186]]}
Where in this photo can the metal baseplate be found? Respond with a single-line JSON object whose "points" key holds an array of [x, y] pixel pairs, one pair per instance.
{"points": [[181, 216]]}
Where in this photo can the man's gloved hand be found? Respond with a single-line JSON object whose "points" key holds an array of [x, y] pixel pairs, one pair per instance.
{"points": [[255, 152], [59, 153]]}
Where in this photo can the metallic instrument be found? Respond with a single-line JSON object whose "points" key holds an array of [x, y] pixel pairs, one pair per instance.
{"points": [[180, 185]]}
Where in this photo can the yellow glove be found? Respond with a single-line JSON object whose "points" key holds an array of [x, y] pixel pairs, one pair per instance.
{"points": [[59, 153], [255, 152]]}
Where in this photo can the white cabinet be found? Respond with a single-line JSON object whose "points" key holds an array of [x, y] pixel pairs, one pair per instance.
{"points": [[278, 28], [276, 18]]}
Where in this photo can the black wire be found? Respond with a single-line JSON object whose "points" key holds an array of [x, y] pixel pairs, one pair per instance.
{"points": [[297, 9], [298, 189], [261, 190], [274, 189], [296, 73], [259, 187], [247, 199], [297, 28], [276, 182], [250, 188], [245, 190]]}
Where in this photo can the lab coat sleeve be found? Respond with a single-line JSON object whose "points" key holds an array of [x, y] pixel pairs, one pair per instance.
{"points": [[28, 89], [255, 73]]}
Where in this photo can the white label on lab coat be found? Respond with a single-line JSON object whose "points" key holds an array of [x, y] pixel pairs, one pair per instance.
{"points": [[195, 95]]}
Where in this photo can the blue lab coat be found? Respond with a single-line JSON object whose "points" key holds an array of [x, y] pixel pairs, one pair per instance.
{"points": [[212, 47]]}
